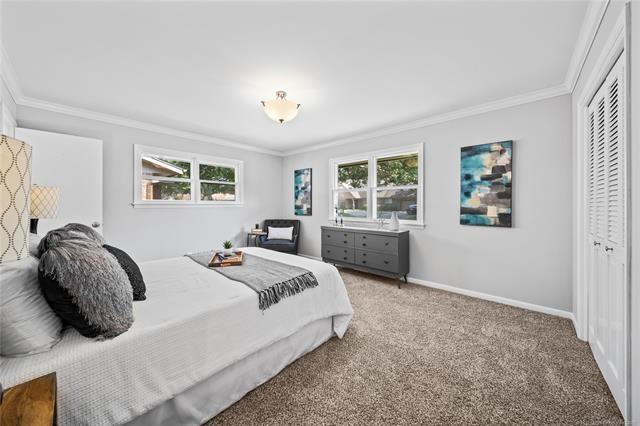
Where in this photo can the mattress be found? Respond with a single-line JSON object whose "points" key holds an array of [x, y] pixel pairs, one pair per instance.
{"points": [[194, 323]]}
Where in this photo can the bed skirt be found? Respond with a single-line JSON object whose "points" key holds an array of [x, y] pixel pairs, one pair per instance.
{"points": [[211, 396]]}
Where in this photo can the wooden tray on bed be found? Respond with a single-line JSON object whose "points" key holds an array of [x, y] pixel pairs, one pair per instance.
{"points": [[218, 260]]}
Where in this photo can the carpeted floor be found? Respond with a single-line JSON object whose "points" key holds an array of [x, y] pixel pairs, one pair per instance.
{"points": [[425, 356]]}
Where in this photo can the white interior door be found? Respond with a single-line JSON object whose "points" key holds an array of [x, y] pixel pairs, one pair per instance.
{"points": [[607, 262], [73, 164]]}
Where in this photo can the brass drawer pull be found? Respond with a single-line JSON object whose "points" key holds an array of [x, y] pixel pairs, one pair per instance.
{"points": [[364, 244], [364, 261], [386, 262]]}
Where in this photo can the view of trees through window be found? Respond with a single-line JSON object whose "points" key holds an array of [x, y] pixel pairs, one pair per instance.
{"points": [[396, 187], [217, 183], [353, 175], [399, 171], [170, 179]]}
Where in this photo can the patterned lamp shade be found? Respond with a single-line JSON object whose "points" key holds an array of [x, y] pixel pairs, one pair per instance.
{"points": [[44, 201], [15, 182]]}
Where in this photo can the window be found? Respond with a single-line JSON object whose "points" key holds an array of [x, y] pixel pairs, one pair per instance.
{"points": [[165, 177], [370, 187]]}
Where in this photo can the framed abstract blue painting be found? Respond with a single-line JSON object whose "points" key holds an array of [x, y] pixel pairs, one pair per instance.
{"points": [[485, 184], [302, 192]]}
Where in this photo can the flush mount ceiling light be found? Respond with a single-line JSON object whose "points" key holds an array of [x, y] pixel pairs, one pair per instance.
{"points": [[280, 109]]}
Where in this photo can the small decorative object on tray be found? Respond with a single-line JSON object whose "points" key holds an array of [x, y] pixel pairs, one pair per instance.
{"points": [[228, 248], [219, 259]]}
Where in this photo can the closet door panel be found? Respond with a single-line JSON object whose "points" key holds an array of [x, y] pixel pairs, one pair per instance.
{"points": [[606, 210]]}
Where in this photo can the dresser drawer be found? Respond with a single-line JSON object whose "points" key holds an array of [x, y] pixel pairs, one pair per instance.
{"points": [[341, 254], [377, 242], [337, 238], [382, 261]]}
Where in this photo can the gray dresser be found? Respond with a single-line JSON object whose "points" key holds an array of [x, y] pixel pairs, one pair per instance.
{"points": [[371, 250]]}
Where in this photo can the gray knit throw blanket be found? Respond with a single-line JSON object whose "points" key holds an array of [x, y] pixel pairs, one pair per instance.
{"points": [[273, 281]]}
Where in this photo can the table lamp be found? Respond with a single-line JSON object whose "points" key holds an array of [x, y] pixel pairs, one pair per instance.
{"points": [[44, 204]]}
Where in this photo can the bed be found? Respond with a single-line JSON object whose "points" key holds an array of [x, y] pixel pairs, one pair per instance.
{"points": [[198, 344]]}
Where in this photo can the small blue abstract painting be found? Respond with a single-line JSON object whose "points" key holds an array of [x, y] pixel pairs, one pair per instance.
{"points": [[302, 192], [485, 184]]}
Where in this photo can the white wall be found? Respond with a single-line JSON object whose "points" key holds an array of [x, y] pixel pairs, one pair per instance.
{"points": [[530, 262], [7, 110], [152, 233]]}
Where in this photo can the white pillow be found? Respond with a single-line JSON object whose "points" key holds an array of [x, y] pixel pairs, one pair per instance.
{"points": [[280, 233], [27, 324], [33, 244]]}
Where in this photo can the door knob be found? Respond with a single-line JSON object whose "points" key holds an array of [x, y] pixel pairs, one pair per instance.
{"points": [[607, 248], [95, 225]]}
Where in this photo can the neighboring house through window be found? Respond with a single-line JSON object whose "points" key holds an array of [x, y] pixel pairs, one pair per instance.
{"points": [[368, 187], [167, 177]]}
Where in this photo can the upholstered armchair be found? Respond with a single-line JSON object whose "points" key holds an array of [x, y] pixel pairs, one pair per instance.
{"points": [[285, 246]]}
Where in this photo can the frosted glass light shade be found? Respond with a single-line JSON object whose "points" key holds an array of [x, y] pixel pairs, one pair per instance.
{"points": [[15, 181], [281, 109], [44, 201]]}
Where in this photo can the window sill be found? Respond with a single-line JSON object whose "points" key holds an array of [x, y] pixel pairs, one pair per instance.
{"points": [[183, 205], [374, 224]]}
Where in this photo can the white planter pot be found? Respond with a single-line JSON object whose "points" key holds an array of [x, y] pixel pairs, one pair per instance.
{"points": [[228, 252]]}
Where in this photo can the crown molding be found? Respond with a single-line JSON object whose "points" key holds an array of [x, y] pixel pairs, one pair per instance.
{"points": [[135, 124], [534, 96], [590, 25]]}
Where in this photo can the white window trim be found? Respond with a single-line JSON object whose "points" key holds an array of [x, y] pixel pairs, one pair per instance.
{"points": [[195, 160], [371, 158]]}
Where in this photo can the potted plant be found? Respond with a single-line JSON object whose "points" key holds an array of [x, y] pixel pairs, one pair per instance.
{"points": [[228, 248]]}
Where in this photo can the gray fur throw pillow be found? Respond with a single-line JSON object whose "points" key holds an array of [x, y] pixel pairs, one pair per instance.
{"points": [[67, 232], [86, 286]]}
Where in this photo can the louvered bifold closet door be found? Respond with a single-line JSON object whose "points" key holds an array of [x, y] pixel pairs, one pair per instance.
{"points": [[615, 247], [592, 242], [606, 181]]}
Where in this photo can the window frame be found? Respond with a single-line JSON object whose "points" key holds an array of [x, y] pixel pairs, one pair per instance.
{"points": [[372, 184], [194, 160]]}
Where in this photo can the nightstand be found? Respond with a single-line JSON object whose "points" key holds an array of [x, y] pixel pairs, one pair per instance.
{"points": [[31, 403]]}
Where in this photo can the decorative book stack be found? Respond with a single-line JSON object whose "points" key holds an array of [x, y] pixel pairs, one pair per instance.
{"points": [[220, 260]]}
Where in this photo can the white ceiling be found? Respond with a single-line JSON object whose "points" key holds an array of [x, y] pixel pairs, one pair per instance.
{"points": [[354, 66]]}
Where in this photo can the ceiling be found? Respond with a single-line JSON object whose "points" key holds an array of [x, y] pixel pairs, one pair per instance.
{"points": [[354, 66]]}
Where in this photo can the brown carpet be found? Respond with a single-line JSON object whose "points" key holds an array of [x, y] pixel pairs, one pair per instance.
{"points": [[425, 356]]}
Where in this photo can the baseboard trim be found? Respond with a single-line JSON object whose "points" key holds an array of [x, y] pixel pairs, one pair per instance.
{"points": [[497, 299], [486, 296]]}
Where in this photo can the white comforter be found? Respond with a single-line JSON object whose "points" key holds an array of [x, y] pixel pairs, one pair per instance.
{"points": [[194, 323]]}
